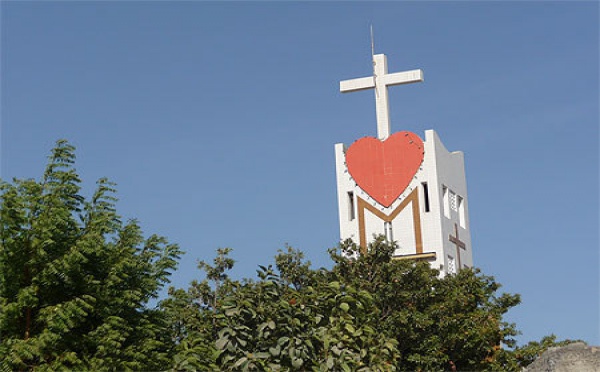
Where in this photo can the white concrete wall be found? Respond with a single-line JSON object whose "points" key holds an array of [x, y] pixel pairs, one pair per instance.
{"points": [[439, 168], [445, 169]]}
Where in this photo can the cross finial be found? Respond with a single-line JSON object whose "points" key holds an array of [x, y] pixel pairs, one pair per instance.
{"points": [[380, 81]]}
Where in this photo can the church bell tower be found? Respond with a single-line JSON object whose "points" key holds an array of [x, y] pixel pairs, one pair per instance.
{"points": [[411, 190]]}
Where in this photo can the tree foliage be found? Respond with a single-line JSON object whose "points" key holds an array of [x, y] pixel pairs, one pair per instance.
{"points": [[439, 323], [75, 280], [368, 312], [297, 319]]}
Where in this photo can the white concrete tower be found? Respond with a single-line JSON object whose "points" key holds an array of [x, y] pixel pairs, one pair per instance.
{"points": [[412, 191]]}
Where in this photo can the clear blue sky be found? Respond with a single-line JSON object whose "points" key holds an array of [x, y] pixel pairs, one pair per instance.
{"points": [[218, 120]]}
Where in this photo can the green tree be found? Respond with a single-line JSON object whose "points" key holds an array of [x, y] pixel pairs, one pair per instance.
{"points": [[193, 315], [369, 312], [75, 280], [268, 325], [293, 320], [446, 323]]}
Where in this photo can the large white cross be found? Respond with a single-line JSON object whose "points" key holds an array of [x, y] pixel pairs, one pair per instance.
{"points": [[380, 81]]}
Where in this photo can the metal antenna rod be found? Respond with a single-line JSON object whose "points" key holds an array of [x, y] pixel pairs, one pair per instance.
{"points": [[373, 59], [372, 43]]}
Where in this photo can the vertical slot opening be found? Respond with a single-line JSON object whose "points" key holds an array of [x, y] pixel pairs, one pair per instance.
{"points": [[446, 202], [351, 213], [461, 212], [389, 235], [426, 195]]}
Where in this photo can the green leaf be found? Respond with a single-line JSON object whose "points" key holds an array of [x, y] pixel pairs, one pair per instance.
{"points": [[275, 350], [350, 328], [232, 311], [222, 342], [329, 362], [297, 362], [345, 367], [336, 350], [241, 341], [240, 362]]}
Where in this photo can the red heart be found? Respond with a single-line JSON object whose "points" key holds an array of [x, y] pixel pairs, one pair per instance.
{"points": [[383, 169]]}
